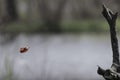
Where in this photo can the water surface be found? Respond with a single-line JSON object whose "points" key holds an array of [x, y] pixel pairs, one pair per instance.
{"points": [[56, 56]]}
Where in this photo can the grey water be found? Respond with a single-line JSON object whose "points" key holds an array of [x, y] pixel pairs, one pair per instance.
{"points": [[55, 57]]}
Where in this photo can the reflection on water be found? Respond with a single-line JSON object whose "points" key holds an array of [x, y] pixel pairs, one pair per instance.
{"points": [[54, 57]]}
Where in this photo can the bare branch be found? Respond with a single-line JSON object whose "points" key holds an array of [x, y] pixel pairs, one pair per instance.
{"points": [[100, 71], [114, 72], [111, 19]]}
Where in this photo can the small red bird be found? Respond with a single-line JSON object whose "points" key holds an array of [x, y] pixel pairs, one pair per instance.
{"points": [[24, 49]]}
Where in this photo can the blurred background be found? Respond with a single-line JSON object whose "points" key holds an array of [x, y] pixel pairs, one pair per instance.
{"points": [[67, 39]]}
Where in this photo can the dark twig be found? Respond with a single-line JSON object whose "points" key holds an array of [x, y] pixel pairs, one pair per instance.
{"points": [[114, 72]]}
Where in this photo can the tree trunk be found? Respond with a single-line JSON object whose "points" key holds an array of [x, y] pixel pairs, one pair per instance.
{"points": [[52, 18], [11, 10]]}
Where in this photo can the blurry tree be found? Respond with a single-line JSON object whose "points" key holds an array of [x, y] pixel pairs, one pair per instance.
{"points": [[8, 14], [51, 12], [97, 3], [8, 11], [75, 9], [11, 10], [81, 9], [32, 9], [2, 10], [118, 4]]}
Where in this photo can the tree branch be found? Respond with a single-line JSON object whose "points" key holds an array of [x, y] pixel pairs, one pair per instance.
{"points": [[114, 72], [111, 19]]}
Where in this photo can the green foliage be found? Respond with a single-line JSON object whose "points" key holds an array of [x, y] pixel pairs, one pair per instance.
{"points": [[85, 26], [67, 26], [18, 27]]}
